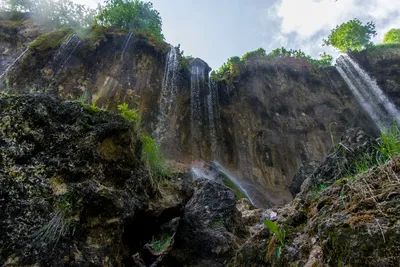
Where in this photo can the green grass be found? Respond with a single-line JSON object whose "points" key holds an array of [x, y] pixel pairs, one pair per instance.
{"points": [[151, 153]]}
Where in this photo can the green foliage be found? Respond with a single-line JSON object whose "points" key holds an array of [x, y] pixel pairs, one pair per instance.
{"points": [[131, 15], [151, 153], [57, 13], [260, 52], [83, 98], [389, 145], [160, 245], [130, 115], [231, 68], [280, 234], [91, 108], [351, 36], [392, 36]]}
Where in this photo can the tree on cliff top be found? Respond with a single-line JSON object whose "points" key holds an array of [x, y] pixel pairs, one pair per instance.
{"points": [[351, 36], [392, 36], [131, 15]]}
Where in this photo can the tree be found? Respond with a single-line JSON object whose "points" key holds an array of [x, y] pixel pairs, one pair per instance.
{"points": [[351, 36], [131, 15], [392, 36], [58, 13]]}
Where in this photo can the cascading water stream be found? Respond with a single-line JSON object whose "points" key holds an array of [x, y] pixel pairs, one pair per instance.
{"points": [[212, 109], [13, 63], [367, 92], [126, 44], [197, 76], [168, 95]]}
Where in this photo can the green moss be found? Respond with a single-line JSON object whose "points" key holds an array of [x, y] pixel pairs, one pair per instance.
{"points": [[160, 245], [49, 41], [91, 108], [229, 183]]}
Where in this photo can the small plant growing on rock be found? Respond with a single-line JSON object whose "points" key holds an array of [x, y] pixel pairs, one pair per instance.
{"points": [[280, 235], [130, 115]]}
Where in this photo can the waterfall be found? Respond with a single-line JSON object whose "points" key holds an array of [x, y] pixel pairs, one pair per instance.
{"points": [[213, 115], [197, 76], [65, 52], [169, 91], [13, 63], [126, 43], [367, 92]]}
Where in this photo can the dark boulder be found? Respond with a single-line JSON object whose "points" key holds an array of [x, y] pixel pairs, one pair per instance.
{"points": [[207, 235]]}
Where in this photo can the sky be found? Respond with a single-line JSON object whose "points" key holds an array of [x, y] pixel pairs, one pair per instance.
{"points": [[215, 30]]}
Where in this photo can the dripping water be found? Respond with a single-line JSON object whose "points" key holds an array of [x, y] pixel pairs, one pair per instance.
{"points": [[64, 53], [13, 63]]}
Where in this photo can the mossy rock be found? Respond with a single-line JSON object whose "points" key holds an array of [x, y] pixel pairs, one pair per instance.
{"points": [[50, 40]]}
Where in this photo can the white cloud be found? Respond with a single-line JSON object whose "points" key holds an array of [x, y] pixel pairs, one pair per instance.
{"points": [[305, 23]]}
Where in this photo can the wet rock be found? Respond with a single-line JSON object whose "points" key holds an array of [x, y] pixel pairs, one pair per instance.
{"points": [[208, 226], [301, 175], [341, 159]]}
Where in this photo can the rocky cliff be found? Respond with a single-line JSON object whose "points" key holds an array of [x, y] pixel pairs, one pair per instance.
{"points": [[75, 189], [273, 117]]}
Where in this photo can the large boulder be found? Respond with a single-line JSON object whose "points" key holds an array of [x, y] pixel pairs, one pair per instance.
{"points": [[74, 190], [210, 227]]}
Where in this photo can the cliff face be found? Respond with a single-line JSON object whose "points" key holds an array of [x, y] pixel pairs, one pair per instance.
{"points": [[278, 115], [383, 64], [262, 125]]}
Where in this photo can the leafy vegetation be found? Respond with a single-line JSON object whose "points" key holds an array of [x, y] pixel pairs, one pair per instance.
{"points": [[130, 115], [131, 15], [351, 36], [160, 245], [392, 36], [151, 153], [280, 235], [232, 67]]}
